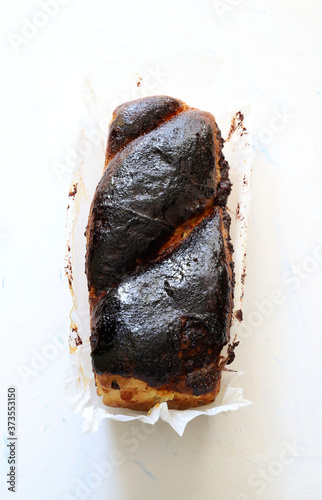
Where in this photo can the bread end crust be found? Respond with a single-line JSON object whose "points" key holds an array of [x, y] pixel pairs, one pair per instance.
{"points": [[134, 394]]}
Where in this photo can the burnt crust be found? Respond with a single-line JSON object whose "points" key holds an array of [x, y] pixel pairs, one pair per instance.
{"points": [[224, 186], [159, 257], [171, 312], [135, 118], [150, 187]]}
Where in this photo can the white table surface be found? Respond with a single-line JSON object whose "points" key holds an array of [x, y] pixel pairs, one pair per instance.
{"points": [[270, 450]]}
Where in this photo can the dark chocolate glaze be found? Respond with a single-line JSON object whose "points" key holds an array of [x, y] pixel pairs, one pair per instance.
{"points": [[153, 185], [170, 319]]}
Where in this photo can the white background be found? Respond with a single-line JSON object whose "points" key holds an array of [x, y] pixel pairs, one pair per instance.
{"points": [[270, 450]]}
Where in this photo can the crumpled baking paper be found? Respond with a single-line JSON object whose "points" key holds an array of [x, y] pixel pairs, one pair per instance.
{"points": [[202, 82]]}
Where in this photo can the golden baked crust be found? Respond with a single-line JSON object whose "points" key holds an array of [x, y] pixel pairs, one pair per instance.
{"points": [[135, 394]]}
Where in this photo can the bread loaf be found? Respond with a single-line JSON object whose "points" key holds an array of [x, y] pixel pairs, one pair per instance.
{"points": [[159, 258]]}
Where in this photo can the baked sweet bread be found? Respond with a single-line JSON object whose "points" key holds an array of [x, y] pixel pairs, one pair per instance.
{"points": [[159, 258]]}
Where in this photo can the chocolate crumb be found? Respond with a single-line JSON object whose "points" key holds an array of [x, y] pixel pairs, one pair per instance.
{"points": [[68, 271], [231, 352], [243, 276], [237, 123], [239, 315], [239, 215], [73, 191], [78, 340]]}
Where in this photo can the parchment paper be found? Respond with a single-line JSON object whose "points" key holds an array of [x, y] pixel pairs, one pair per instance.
{"points": [[203, 82]]}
